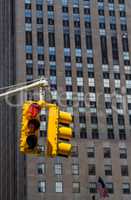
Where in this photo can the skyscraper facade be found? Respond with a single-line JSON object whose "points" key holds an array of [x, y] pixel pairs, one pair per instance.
{"points": [[8, 137], [83, 48]]}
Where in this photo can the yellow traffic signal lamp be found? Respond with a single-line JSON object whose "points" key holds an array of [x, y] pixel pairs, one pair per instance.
{"points": [[30, 127], [59, 132]]}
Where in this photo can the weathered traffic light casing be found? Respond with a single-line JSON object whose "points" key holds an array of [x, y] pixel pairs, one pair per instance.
{"points": [[58, 133], [30, 127]]}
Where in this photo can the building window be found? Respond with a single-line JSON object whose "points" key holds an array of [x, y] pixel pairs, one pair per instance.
{"points": [[41, 168], [88, 41], [124, 170], [76, 187], [104, 52], [125, 43], [94, 120], [77, 41], [41, 186], [58, 187], [122, 134], [40, 41], [95, 133], [58, 169], [28, 35], [83, 133], [92, 169], [75, 169], [92, 187], [66, 40], [109, 120], [74, 152], [115, 50], [108, 170], [110, 188], [110, 133], [51, 37], [126, 188], [121, 120], [107, 152], [123, 153], [91, 152]]}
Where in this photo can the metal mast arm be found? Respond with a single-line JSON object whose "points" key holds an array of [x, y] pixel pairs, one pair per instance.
{"points": [[40, 83]]}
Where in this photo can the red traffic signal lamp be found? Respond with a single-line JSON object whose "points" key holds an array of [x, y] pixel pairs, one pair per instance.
{"points": [[30, 127]]}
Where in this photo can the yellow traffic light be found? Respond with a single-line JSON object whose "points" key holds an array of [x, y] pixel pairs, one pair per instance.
{"points": [[30, 127], [58, 132]]}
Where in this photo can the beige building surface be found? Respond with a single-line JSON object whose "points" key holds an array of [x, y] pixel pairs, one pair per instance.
{"points": [[83, 47]]}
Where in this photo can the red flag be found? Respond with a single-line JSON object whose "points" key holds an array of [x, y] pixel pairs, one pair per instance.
{"points": [[101, 188]]}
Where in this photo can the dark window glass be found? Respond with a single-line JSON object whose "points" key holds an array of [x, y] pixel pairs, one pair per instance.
{"points": [[121, 120], [64, 9], [110, 188], [108, 105], [111, 12], [101, 12], [122, 134], [87, 11], [115, 50], [66, 40], [39, 20], [128, 76], [102, 25], [50, 8], [40, 57], [125, 44], [51, 39], [124, 170], [87, 25], [106, 75], [109, 120], [29, 56], [107, 152], [83, 133], [28, 20], [94, 120], [68, 73], [104, 50], [66, 23], [38, 6], [126, 188], [79, 73], [28, 6], [75, 10], [88, 41], [77, 24], [108, 170], [122, 13], [28, 37], [123, 27], [113, 26], [93, 188], [117, 76], [40, 40], [68, 87], [121, 1], [77, 41], [123, 153], [110, 134], [51, 21], [92, 169], [95, 134]]}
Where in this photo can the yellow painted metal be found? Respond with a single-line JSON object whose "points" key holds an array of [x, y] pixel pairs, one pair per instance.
{"points": [[64, 149], [65, 117], [65, 133], [52, 131], [24, 128]]}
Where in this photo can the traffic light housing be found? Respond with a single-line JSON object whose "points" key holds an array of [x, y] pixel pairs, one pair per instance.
{"points": [[59, 133], [30, 127]]}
